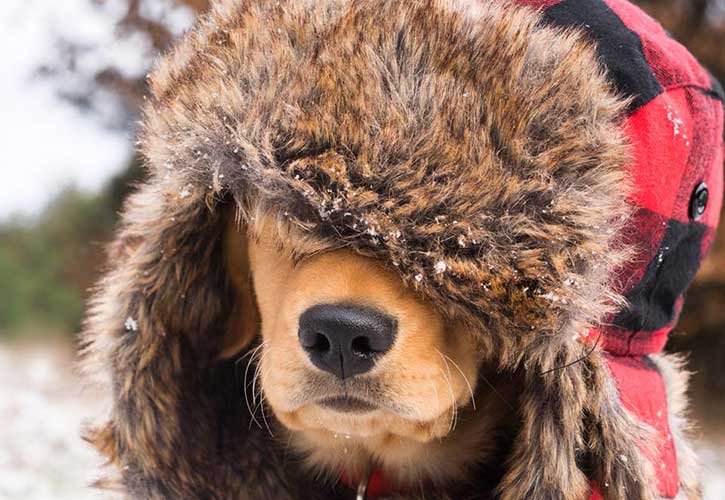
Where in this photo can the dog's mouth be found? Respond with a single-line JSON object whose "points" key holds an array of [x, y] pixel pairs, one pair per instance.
{"points": [[347, 404]]}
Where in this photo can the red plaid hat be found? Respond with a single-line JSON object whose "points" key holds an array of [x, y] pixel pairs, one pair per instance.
{"points": [[675, 125]]}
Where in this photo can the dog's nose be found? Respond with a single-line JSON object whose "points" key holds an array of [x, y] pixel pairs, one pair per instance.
{"points": [[345, 339]]}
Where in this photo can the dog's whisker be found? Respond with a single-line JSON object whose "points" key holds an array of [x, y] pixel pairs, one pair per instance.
{"points": [[451, 425], [244, 386], [438, 403], [286, 449], [250, 352], [449, 379], [468, 383], [455, 416], [261, 405], [255, 352], [246, 372], [255, 377], [496, 392], [264, 414], [240, 359], [417, 409]]}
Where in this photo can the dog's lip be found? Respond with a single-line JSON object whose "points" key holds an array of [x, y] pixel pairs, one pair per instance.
{"points": [[347, 404]]}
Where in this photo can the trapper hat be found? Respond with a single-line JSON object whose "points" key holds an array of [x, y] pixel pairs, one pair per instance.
{"points": [[549, 173]]}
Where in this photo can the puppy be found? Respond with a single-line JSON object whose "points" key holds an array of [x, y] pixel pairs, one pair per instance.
{"points": [[361, 371]]}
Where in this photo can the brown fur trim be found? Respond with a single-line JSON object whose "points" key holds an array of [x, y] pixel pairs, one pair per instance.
{"points": [[392, 144]]}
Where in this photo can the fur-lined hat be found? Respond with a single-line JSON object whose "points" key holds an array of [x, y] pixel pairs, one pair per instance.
{"points": [[536, 171]]}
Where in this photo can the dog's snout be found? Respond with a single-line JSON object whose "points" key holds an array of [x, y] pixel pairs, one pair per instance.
{"points": [[345, 339]]}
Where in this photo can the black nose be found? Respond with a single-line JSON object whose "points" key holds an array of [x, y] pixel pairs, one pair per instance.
{"points": [[345, 339]]}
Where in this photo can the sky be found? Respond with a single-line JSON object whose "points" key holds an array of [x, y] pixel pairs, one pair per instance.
{"points": [[46, 144]]}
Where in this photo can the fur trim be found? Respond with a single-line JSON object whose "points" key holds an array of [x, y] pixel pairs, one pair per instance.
{"points": [[677, 379], [475, 150], [402, 144]]}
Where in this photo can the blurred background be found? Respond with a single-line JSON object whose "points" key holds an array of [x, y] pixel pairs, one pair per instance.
{"points": [[70, 94]]}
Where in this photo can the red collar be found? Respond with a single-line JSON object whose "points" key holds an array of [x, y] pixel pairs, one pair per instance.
{"points": [[378, 484], [375, 485]]}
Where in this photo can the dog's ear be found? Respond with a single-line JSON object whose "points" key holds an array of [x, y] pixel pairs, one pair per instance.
{"points": [[243, 325]]}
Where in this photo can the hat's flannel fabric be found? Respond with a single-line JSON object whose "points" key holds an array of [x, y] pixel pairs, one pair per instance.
{"points": [[675, 125]]}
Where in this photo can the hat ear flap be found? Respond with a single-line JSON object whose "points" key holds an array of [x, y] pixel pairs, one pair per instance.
{"points": [[243, 324], [157, 323], [572, 416]]}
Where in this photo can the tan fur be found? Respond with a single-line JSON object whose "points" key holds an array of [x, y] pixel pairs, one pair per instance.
{"points": [[427, 378], [475, 155], [244, 325]]}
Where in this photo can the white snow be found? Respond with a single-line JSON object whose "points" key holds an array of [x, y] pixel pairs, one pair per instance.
{"points": [[185, 193], [131, 324], [42, 408]]}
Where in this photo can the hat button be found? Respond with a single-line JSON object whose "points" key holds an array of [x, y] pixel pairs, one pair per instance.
{"points": [[698, 202]]}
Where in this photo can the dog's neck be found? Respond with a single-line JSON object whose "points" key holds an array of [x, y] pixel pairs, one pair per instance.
{"points": [[476, 439]]}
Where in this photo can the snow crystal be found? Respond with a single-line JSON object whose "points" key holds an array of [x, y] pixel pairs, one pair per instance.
{"points": [[677, 124], [554, 297], [440, 267], [661, 255], [418, 277], [185, 193], [131, 324]]}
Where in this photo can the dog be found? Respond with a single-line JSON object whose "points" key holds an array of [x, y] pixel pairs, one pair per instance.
{"points": [[363, 375], [406, 249], [365, 371]]}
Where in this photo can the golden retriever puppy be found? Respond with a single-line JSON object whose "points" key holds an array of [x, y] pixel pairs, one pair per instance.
{"points": [[361, 371]]}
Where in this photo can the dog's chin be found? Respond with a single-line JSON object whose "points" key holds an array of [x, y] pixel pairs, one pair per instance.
{"points": [[354, 419], [407, 450]]}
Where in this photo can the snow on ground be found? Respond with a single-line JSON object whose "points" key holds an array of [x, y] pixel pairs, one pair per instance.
{"points": [[42, 408], [713, 458]]}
